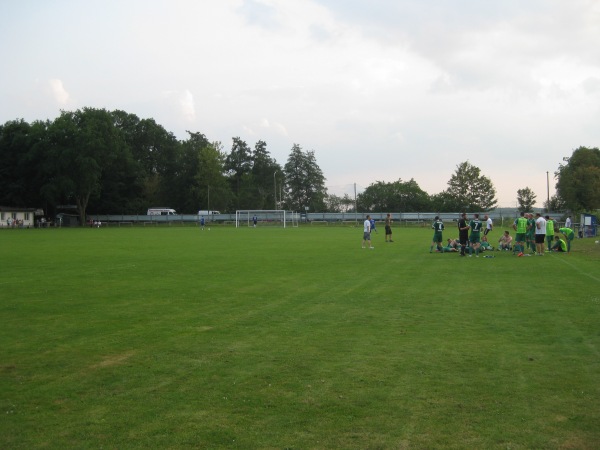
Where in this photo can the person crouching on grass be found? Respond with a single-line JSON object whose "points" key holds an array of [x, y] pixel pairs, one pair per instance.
{"points": [[559, 245]]}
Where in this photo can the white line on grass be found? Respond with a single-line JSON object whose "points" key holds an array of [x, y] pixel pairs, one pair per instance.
{"points": [[577, 269]]}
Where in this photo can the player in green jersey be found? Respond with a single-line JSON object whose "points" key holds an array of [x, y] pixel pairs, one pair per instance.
{"points": [[438, 228], [559, 245], [530, 236], [549, 232], [475, 236], [520, 226], [569, 235]]}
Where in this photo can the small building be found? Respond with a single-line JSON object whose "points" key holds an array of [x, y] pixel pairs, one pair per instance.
{"points": [[588, 226], [14, 217]]}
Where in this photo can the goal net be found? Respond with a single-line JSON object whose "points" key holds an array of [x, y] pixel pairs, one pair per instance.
{"points": [[266, 217]]}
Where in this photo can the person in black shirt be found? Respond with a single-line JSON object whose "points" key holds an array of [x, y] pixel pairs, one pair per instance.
{"points": [[463, 233]]}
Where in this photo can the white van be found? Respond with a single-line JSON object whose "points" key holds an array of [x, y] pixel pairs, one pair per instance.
{"points": [[208, 213], [161, 212]]}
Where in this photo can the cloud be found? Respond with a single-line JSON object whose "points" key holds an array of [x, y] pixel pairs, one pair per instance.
{"points": [[59, 92], [188, 108], [259, 13], [183, 103]]}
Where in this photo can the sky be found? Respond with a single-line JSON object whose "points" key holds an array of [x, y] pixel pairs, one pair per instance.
{"points": [[380, 90]]}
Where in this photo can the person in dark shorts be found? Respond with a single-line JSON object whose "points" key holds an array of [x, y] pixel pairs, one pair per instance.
{"points": [[388, 228], [463, 233]]}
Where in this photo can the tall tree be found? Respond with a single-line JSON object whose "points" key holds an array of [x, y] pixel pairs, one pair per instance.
{"points": [[238, 165], [471, 190], [579, 180], [304, 181], [266, 177], [525, 199], [21, 162], [83, 144], [396, 196], [214, 192]]}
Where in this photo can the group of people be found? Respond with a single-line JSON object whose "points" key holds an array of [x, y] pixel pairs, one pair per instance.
{"points": [[538, 235], [532, 233], [369, 227]]}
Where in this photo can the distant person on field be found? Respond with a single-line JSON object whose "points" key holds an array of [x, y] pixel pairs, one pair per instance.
{"points": [[254, 220], [549, 232], [452, 245], [530, 239], [485, 245], [505, 241], [388, 228], [569, 235], [489, 225], [559, 245], [438, 228], [367, 232], [520, 226], [540, 234], [202, 222], [475, 226], [373, 226], [568, 222], [463, 233]]}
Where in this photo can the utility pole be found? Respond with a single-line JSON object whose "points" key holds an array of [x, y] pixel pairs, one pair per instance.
{"points": [[548, 191]]}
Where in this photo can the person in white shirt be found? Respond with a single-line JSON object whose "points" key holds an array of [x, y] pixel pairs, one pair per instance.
{"points": [[568, 222], [540, 234], [489, 225], [367, 232]]}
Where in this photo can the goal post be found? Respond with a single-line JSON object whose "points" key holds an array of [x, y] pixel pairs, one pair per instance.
{"points": [[266, 217]]}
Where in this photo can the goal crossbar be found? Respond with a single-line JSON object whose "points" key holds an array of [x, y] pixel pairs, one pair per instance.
{"points": [[277, 217]]}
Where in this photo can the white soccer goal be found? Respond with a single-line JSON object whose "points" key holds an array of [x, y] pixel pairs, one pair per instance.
{"points": [[266, 217]]}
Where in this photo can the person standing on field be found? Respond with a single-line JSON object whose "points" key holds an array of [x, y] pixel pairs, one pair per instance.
{"points": [[540, 234], [373, 226], [388, 228], [549, 233], [475, 236], [463, 233], [530, 236], [438, 228], [254, 221], [489, 225], [520, 226], [568, 222], [367, 232]]}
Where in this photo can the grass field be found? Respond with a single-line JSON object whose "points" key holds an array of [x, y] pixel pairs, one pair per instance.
{"points": [[135, 338]]}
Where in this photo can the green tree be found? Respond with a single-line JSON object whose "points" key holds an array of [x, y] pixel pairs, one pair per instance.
{"points": [[470, 190], [445, 202], [22, 163], [336, 204], [579, 180], [556, 204], [214, 192], [525, 199], [396, 196], [155, 152], [265, 175], [238, 165], [82, 145], [304, 184]]}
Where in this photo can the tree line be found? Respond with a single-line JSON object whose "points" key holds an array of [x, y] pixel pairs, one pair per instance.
{"points": [[113, 162]]}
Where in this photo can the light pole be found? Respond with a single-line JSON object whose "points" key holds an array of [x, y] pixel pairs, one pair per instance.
{"points": [[548, 191]]}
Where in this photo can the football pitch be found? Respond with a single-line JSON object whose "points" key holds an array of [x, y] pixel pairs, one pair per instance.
{"points": [[173, 337]]}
